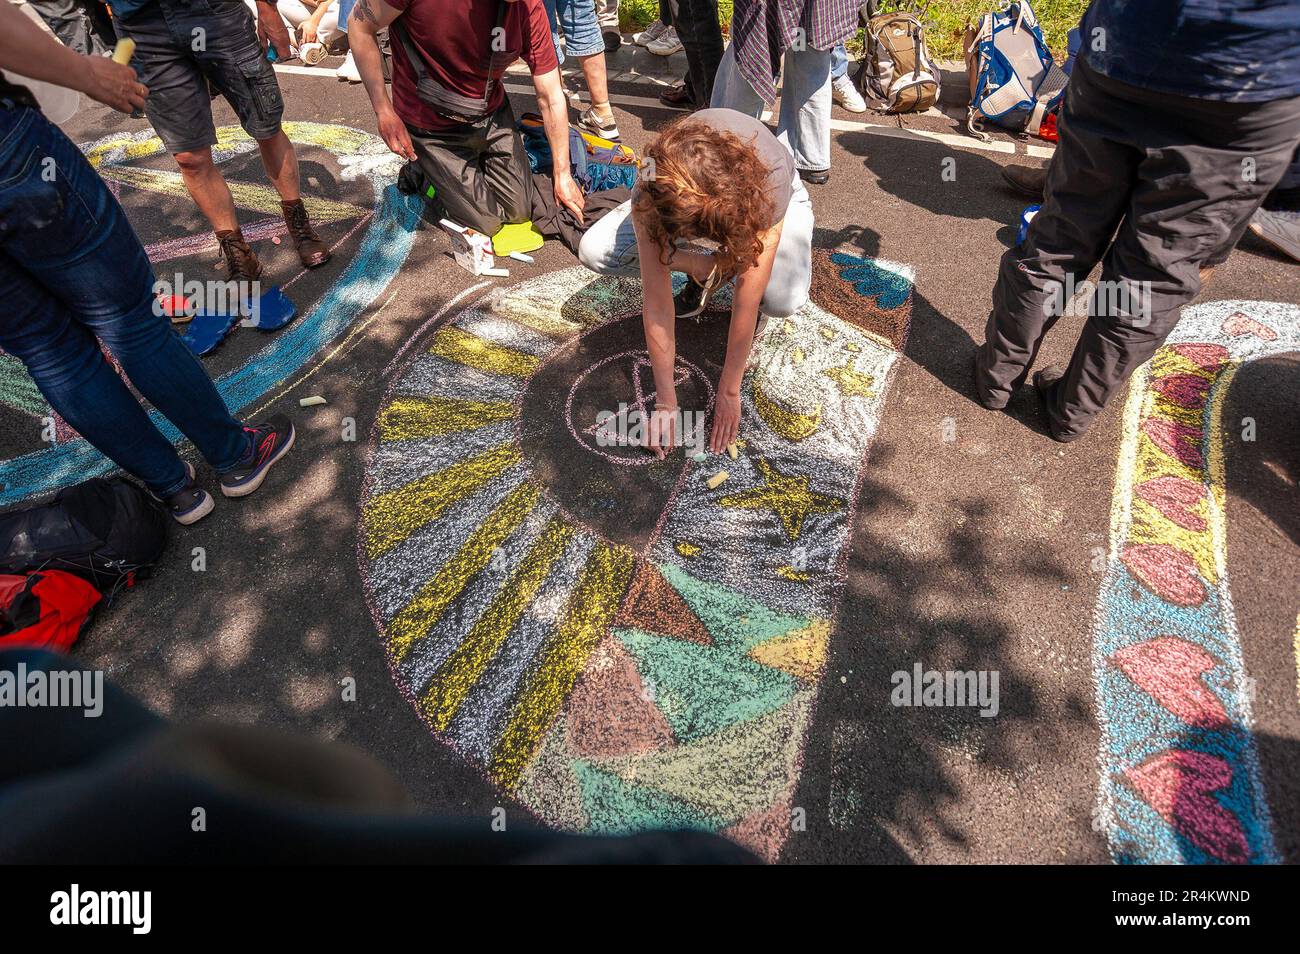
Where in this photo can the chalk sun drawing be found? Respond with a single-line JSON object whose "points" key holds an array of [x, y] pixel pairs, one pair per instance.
{"points": [[618, 647], [389, 233], [1180, 777]]}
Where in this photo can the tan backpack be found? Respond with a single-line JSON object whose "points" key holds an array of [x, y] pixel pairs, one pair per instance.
{"points": [[897, 75]]}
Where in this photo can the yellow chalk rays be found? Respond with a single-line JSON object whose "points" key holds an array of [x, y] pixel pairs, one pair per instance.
{"points": [[586, 619], [417, 617], [453, 681], [393, 516], [410, 418], [464, 348]]}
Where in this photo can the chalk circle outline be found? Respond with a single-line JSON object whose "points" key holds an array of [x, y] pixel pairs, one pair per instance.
{"points": [[381, 251], [497, 609], [639, 460]]}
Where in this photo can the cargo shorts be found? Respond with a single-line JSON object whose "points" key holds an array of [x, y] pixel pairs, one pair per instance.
{"points": [[186, 51]]}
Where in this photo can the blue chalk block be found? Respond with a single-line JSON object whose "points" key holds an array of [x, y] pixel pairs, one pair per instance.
{"points": [[207, 330], [272, 310]]}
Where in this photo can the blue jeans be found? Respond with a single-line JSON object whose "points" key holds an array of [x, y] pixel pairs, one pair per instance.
{"points": [[345, 11], [72, 271], [839, 61], [577, 18]]}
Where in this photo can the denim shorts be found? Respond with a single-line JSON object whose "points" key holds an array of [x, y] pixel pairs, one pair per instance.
{"points": [[577, 19], [187, 51]]}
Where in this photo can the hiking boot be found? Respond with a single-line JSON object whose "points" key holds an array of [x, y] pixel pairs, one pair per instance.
{"points": [[693, 299], [1026, 180], [590, 120], [241, 261], [846, 94], [188, 505], [1279, 229], [677, 97], [815, 176], [311, 250], [268, 442]]}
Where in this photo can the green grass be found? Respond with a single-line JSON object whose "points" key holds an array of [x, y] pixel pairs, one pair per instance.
{"points": [[947, 20]]}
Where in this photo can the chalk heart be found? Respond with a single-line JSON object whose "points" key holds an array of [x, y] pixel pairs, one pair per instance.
{"points": [[1182, 786], [1170, 670], [1167, 571], [1239, 325], [618, 489]]}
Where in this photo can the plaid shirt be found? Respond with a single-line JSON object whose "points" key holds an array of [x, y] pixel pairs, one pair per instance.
{"points": [[762, 30]]}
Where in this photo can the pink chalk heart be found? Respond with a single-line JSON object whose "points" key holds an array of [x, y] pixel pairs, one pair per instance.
{"points": [[1185, 390], [1169, 669], [1180, 786], [1167, 571], [1176, 498], [1209, 357], [1239, 325], [1180, 441]]}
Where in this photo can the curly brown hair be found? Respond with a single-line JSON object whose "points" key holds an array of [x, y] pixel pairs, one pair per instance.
{"points": [[704, 183]]}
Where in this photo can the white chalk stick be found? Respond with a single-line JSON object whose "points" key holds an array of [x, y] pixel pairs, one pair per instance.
{"points": [[312, 401]]}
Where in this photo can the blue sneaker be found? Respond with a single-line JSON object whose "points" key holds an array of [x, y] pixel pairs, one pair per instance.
{"points": [[188, 505], [269, 442]]}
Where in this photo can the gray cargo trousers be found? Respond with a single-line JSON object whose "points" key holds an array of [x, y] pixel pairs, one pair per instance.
{"points": [[1153, 186]]}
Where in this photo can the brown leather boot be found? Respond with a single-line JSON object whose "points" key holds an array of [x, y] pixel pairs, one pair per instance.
{"points": [[311, 250], [241, 260], [1026, 180]]}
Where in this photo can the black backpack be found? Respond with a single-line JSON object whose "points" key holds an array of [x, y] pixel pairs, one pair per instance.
{"points": [[108, 532]]}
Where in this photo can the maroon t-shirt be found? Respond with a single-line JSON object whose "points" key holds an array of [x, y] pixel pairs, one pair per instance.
{"points": [[455, 38]]}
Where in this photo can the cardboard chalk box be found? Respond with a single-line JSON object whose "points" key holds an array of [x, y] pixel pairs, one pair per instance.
{"points": [[472, 249]]}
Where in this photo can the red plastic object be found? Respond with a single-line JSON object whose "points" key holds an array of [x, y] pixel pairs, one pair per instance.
{"points": [[1048, 129], [173, 305]]}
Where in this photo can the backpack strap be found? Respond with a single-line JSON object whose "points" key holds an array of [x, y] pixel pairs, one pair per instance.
{"points": [[445, 102]]}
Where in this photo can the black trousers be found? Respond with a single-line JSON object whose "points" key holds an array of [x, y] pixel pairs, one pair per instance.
{"points": [[696, 22], [479, 171], [1154, 187]]}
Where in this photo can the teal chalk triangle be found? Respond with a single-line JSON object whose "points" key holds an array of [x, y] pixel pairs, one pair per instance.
{"points": [[702, 689], [736, 623], [615, 806]]}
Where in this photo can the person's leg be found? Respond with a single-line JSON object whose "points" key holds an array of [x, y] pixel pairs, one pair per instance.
{"points": [[584, 42], [451, 162], [328, 29], [732, 91], [791, 279], [805, 122], [609, 247], [1189, 205], [505, 170], [1090, 179], [207, 188], [552, 15], [701, 35], [84, 267], [70, 23], [839, 61]]}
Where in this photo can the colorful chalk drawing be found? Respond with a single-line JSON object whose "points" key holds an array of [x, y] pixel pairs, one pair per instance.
{"points": [[389, 233], [1180, 776], [616, 666]]}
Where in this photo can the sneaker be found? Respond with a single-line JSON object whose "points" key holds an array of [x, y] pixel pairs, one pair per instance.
{"points": [[190, 504], [815, 176], [1279, 229], [693, 299], [347, 71], [591, 121], [651, 33], [846, 94], [1026, 180], [666, 45], [268, 442]]}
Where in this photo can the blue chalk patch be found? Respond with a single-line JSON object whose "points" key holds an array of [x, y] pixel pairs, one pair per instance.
{"points": [[207, 330], [871, 281]]}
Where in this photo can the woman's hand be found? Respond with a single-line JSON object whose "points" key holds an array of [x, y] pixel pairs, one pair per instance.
{"points": [[726, 421], [661, 432], [113, 84]]}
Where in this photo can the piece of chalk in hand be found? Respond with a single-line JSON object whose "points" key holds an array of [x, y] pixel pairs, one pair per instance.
{"points": [[124, 50], [312, 401], [718, 479]]}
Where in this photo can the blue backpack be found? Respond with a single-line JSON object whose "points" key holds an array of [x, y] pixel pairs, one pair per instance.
{"points": [[1013, 79]]}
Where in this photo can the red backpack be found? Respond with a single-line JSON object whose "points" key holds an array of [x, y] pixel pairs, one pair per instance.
{"points": [[47, 609]]}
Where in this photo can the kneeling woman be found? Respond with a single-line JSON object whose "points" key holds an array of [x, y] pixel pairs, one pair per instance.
{"points": [[720, 200]]}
